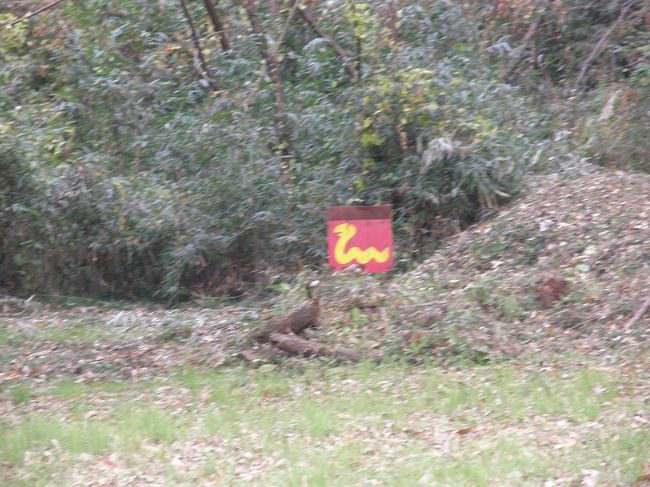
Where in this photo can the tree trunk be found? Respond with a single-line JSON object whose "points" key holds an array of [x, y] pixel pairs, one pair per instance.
{"points": [[272, 69], [197, 45], [390, 13], [526, 40], [357, 41], [217, 24]]}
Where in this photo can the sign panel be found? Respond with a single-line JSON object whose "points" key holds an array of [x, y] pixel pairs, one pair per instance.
{"points": [[360, 235]]}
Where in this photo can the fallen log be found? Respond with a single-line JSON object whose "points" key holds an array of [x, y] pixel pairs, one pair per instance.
{"points": [[294, 344], [291, 343]]}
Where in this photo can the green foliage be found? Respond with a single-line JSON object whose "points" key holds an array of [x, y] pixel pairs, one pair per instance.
{"points": [[436, 143], [122, 175], [481, 291], [564, 34], [510, 307], [12, 39]]}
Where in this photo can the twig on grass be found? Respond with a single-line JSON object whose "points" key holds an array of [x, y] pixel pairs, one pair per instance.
{"points": [[639, 313]]}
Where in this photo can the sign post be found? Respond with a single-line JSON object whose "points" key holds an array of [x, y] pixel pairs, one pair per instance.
{"points": [[360, 235]]}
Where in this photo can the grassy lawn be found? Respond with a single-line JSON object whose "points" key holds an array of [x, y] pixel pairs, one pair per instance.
{"points": [[566, 423]]}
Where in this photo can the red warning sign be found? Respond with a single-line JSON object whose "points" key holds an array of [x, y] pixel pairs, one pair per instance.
{"points": [[360, 235]]}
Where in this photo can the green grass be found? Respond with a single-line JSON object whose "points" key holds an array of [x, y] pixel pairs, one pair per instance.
{"points": [[20, 393], [4, 336], [47, 432], [69, 389], [83, 332], [134, 424], [395, 425]]}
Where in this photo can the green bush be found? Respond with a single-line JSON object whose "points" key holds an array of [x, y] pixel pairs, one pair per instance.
{"points": [[123, 175]]}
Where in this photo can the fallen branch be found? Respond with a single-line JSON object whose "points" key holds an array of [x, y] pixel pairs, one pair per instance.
{"points": [[347, 354], [31, 14], [291, 343], [294, 344], [639, 313]]}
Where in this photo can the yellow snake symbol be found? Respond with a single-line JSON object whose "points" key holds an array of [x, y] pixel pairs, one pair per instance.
{"points": [[346, 231]]}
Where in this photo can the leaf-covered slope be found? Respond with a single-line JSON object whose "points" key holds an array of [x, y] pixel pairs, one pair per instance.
{"points": [[572, 256]]}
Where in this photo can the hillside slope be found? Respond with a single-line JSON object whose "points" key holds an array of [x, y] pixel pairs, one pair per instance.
{"points": [[572, 256]]}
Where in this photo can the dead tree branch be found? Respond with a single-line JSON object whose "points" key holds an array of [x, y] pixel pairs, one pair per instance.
{"points": [[292, 343], [31, 14], [270, 59], [292, 12], [340, 52], [526, 40], [600, 44], [197, 45]]}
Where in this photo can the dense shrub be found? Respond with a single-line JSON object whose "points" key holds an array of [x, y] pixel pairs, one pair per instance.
{"points": [[123, 174]]}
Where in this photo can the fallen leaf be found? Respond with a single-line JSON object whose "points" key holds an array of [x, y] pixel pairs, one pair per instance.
{"points": [[250, 355], [643, 479]]}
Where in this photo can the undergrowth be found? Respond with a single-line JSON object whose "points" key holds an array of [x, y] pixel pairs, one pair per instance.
{"points": [[123, 174]]}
